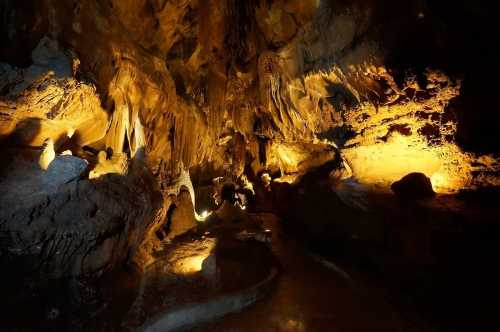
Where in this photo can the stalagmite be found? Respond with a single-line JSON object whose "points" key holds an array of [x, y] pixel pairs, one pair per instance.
{"points": [[48, 154]]}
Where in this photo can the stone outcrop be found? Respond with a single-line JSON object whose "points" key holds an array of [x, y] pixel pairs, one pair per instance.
{"points": [[57, 223], [413, 186], [45, 100]]}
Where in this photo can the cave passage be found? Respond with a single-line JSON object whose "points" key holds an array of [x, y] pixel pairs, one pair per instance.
{"points": [[312, 295], [249, 165]]}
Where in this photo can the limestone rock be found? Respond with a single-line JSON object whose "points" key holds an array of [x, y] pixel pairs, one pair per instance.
{"points": [[54, 224], [182, 218], [46, 101], [48, 154], [209, 269], [276, 24], [64, 169], [117, 164]]}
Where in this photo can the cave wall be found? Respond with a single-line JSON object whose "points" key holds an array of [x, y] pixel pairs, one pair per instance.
{"points": [[257, 74], [232, 88]]}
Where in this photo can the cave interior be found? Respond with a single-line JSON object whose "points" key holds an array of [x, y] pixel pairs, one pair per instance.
{"points": [[249, 165]]}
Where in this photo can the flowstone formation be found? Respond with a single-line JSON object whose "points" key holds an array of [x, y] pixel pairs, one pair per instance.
{"points": [[245, 90], [46, 101]]}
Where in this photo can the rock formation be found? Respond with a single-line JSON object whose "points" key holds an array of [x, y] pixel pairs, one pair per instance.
{"points": [[149, 92], [413, 186], [48, 154]]}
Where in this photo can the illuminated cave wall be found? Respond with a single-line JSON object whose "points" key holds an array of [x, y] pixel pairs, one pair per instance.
{"points": [[254, 85], [351, 77]]}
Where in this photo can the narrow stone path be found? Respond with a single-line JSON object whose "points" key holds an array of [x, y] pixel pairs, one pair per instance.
{"points": [[310, 297]]}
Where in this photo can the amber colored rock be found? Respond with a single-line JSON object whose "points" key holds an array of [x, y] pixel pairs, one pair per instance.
{"points": [[46, 101], [182, 218]]}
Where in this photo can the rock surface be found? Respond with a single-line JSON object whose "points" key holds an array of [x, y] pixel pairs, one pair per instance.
{"points": [[58, 224], [64, 169], [414, 185], [45, 101], [182, 218], [245, 88]]}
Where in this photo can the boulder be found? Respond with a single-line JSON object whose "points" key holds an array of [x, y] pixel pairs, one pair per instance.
{"points": [[413, 185], [209, 269], [64, 169]]}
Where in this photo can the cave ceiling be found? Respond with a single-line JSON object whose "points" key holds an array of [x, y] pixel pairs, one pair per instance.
{"points": [[249, 86]]}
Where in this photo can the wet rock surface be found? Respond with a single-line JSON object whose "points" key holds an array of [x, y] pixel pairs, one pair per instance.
{"points": [[310, 297], [199, 266], [439, 250], [196, 267]]}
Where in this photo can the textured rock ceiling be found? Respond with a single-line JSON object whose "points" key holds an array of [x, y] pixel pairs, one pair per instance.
{"points": [[219, 81], [236, 88]]}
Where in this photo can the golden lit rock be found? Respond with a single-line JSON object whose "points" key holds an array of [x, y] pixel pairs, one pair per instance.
{"points": [[48, 154], [189, 259]]}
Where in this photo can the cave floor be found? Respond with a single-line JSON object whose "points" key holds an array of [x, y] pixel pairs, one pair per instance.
{"points": [[170, 282], [312, 297]]}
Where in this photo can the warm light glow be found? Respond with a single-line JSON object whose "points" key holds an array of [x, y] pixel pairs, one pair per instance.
{"points": [[191, 264], [70, 132], [203, 216], [294, 325], [439, 182], [189, 259], [48, 154], [287, 157], [289, 178], [384, 163], [117, 164], [247, 184]]}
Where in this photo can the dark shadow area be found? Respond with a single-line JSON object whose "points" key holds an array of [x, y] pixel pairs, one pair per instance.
{"points": [[22, 24], [460, 38], [340, 97], [23, 134], [339, 135], [435, 259]]}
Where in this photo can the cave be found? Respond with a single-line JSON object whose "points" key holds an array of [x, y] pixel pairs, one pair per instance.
{"points": [[249, 165]]}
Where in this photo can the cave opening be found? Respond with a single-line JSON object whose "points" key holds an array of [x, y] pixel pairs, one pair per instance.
{"points": [[257, 165]]}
